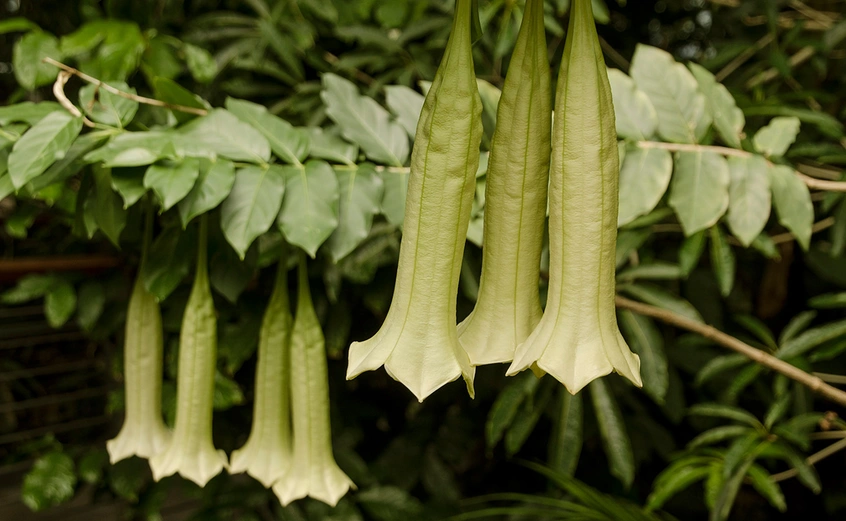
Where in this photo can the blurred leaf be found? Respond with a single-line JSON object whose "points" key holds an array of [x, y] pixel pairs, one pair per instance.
{"points": [[364, 121], [406, 104], [109, 109], [749, 197], [134, 149], [764, 484], [659, 297], [615, 439], [728, 119], [91, 465], [717, 410], [90, 304], [393, 197], [722, 261], [792, 202], [646, 341], [566, 441], [718, 435], [774, 139], [360, 197], [200, 62], [127, 477], [129, 184], [828, 301], [27, 55], [635, 116], [29, 287], [691, 251], [796, 325], [59, 303], [252, 204], [699, 192], [678, 476], [171, 181], [230, 275], [41, 146], [811, 338], [168, 262], [17, 24], [108, 210], [389, 504], [507, 405], [27, 112], [288, 143], [682, 115], [171, 92], [50, 482], [227, 393], [644, 178], [222, 134]]}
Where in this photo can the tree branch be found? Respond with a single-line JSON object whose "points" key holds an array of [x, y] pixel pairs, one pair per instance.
{"points": [[812, 459], [814, 383], [117, 92], [816, 184], [59, 93]]}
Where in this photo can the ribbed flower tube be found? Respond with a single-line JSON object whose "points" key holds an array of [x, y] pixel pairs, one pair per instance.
{"points": [[578, 340], [508, 306], [313, 471], [418, 342], [143, 433], [191, 452], [267, 454]]}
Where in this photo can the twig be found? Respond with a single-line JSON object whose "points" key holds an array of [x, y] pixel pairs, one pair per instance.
{"points": [[615, 56], [828, 435], [814, 383], [821, 173], [801, 56], [743, 57], [812, 460], [127, 95], [360, 75], [832, 378], [781, 238], [59, 93], [812, 14], [817, 184]]}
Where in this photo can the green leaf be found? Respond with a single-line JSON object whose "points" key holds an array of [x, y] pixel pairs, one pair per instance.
{"points": [[722, 261], [749, 197], [629, 241], [17, 24], [364, 121], [252, 205], [764, 484], [309, 211], [214, 183], [728, 119], [134, 149], [200, 63], [507, 405], [718, 435], [127, 477], [329, 146], [657, 270], [168, 262], [90, 305], [171, 92], [636, 117], [171, 180], [85, 38], [222, 134], [50, 482], [524, 424], [393, 197], [360, 199], [27, 112], [828, 301], [691, 251], [567, 438], [59, 304], [812, 338], [230, 275], [108, 208], [29, 51], [406, 104], [682, 114], [615, 439], [792, 202], [774, 139], [129, 183], [29, 287], [288, 143], [388, 503], [69, 165], [806, 473], [109, 109], [675, 478], [227, 393], [718, 410], [661, 298], [646, 341], [720, 365], [644, 178], [699, 192], [796, 325], [765, 245], [41, 146], [91, 465]]}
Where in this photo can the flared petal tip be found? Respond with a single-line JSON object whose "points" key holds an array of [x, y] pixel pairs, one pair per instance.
{"points": [[199, 468], [362, 359], [331, 485], [127, 444], [262, 461], [423, 383]]}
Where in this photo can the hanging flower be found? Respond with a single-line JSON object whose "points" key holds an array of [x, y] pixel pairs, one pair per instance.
{"points": [[267, 454], [191, 452], [578, 340], [508, 306], [418, 343], [313, 471], [144, 433]]}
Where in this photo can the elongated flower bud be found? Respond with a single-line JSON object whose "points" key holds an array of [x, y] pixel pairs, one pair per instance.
{"points": [[267, 454], [418, 343], [191, 452], [578, 340], [508, 307], [144, 433], [313, 471]]}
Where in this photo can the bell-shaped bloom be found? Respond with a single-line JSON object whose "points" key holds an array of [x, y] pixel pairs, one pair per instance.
{"points": [[418, 342], [578, 340], [191, 452], [508, 306], [313, 471], [144, 433], [267, 454]]}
